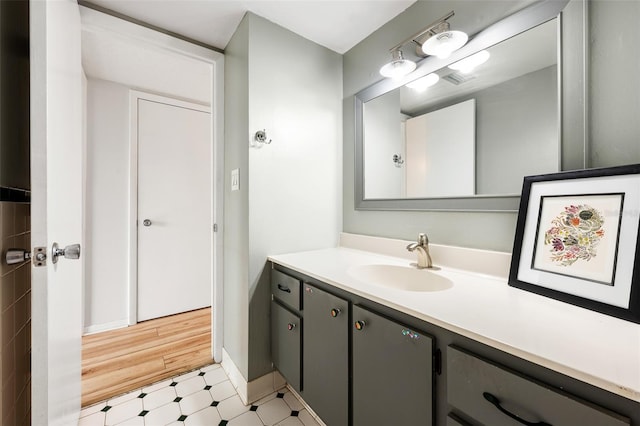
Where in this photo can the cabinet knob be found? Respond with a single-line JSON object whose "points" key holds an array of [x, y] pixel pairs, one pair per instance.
{"points": [[359, 325], [291, 326], [335, 312]]}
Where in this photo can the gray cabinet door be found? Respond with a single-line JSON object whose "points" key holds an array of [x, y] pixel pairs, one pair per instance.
{"points": [[392, 373], [326, 355], [286, 332]]}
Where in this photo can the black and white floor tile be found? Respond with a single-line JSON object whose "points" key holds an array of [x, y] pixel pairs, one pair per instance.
{"points": [[202, 397]]}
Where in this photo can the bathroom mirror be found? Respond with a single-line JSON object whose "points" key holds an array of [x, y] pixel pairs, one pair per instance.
{"points": [[466, 142]]}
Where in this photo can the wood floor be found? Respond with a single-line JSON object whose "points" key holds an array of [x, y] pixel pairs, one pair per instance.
{"points": [[118, 361]]}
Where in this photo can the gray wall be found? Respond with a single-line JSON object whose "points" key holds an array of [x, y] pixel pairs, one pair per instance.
{"points": [[290, 190], [609, 144], [615, 86], [517, 131], [236, 203]]}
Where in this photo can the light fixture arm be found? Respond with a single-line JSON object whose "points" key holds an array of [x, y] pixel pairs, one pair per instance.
{"points": [[422, 32]]}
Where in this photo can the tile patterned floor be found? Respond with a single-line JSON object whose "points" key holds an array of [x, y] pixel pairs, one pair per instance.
{"points": [[203, 397]]}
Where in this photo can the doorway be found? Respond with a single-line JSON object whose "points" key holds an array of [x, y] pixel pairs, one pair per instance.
{"points": [[131, 270]]}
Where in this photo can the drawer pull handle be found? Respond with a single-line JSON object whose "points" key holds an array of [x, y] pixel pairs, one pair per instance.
{"points": [[359, 325], [496, 402], [283, 288], [335, 312], [291, 326]]}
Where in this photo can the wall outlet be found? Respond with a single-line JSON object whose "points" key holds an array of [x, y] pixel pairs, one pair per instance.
{"points": [[235, 179]]}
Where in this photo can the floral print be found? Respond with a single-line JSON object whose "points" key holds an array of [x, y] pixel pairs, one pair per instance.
{"points": [[575, 234]]}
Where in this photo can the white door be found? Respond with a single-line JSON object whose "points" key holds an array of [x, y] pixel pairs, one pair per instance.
{"points": [[56, 184], [174, 209]]}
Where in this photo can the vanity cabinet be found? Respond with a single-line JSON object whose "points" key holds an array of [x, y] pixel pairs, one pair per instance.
{"points": [[286, 327], [325, 363], [360, 363], [392, 372], [489, 394]]}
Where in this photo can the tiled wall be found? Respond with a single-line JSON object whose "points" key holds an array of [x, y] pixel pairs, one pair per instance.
{"points": [[15, 319]]}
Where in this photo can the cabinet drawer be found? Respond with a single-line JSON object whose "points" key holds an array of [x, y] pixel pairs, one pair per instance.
{"points": [[286, 339], [286, 289], [472, 381]]}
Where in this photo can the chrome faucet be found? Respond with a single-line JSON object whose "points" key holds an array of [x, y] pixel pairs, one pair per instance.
{"points": [[422, 246]]}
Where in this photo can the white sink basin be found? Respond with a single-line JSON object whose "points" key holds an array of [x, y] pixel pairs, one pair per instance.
{"points": [[400, 277]]}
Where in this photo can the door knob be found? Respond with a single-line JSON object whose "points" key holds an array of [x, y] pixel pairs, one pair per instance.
{"points": [[15, 256], [359, 325], [335, 312], [69, 252], [146, 222]]}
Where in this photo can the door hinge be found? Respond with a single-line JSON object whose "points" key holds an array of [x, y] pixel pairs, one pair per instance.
{"points": [[215, 227], [437, 362]]}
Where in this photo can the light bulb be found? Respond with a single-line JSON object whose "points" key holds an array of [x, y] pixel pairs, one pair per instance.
{"points": [[445, 43], [469, 63], [423, 83], [398, 67]]}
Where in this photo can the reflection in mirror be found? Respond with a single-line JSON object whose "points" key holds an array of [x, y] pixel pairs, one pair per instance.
{"points": [[474, 131]]}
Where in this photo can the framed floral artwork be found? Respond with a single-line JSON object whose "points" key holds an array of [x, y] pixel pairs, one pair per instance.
{"points": [[577, 239]]}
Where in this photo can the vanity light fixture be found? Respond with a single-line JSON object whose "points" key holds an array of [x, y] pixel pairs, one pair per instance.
{"points": [[470, 63], [444, 41], [437, 40], [423, 83], [398, 67]]}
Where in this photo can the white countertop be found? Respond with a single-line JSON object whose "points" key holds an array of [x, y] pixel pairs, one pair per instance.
{"points": [[598, 349]]}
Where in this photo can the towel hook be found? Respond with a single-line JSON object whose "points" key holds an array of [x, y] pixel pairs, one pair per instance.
{"points": [[261, 136], [397, 160]]}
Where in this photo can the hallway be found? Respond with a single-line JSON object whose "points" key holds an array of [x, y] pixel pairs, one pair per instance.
{"points": [[119, 361]]}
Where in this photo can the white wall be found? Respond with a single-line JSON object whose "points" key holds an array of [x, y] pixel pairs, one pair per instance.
{"points": [[107, 206]]}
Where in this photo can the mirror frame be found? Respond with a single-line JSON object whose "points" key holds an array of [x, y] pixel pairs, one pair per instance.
{"points": [[521, 21]]}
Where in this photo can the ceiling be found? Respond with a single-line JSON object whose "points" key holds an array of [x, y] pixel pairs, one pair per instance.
{"points": [[336, 24]]}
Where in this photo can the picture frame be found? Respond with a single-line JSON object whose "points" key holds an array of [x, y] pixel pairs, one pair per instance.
{"points": [[578, 239]]}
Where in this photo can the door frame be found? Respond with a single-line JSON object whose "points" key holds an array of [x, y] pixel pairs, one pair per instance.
{"points": [[99, 22], [134, 97]]}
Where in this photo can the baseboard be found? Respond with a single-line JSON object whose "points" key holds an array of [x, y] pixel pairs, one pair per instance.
{"points": [[98, 328], [252, 391]]}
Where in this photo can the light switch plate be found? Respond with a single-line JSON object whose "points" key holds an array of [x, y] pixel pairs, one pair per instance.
{"points": [[235, 179]]}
